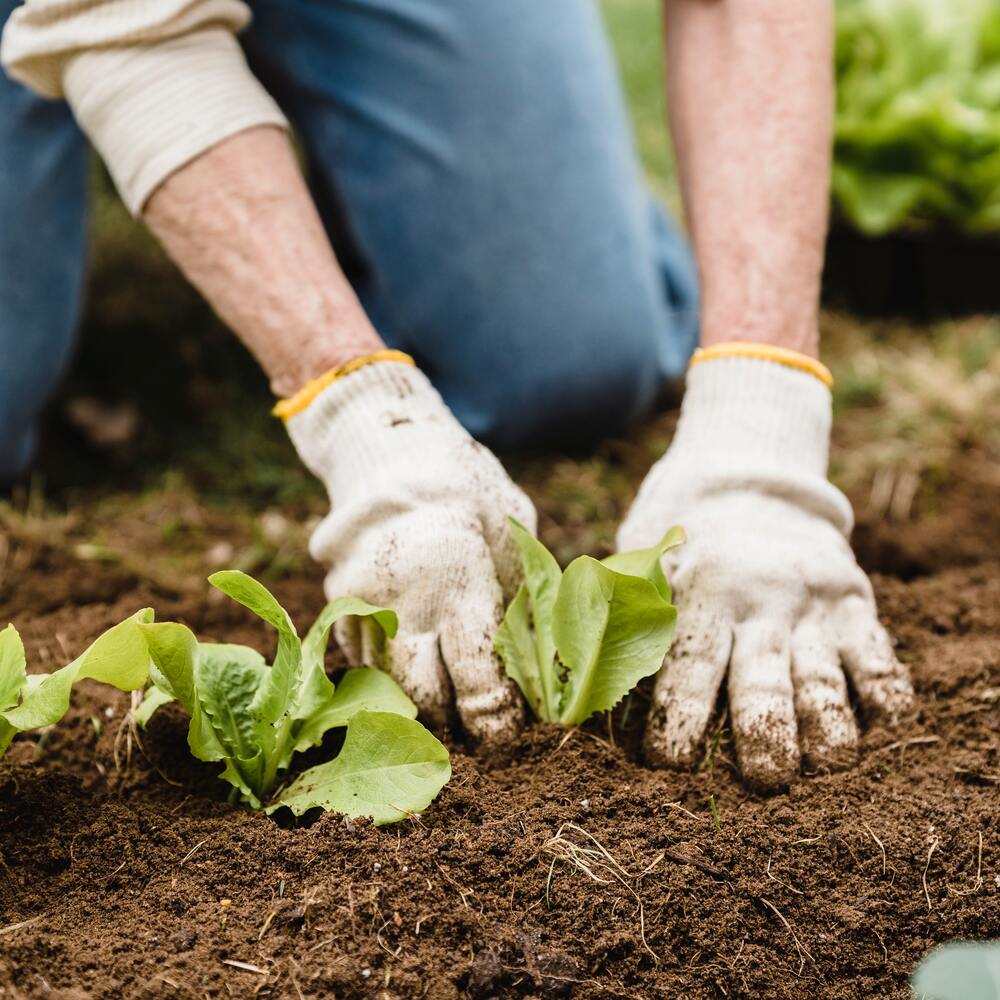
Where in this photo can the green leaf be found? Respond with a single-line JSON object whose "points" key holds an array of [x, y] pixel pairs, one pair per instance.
{"points": [[279, 687], [226, 693], [611, 630], [361, 689], [646, 563], [315, 689], [365, 689], [173, 649], [389, 768], [12, 667], [154, 699], [541, 578], [315, 643], [118, 657], [231, 652], [175, 652], [515, 643]]}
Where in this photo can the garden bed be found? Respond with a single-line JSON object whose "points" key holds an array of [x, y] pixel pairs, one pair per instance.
{"points": [[130, 877]]}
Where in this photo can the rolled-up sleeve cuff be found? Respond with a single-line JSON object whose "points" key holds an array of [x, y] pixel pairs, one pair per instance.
{"points": [[151, 108]]}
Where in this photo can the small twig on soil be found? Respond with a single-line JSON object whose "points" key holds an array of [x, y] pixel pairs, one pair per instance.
{"points": [[880, 844], [977, 776], [799, 947], [10, 928], [930, 854], [916, 741], [979, 873], [462, 892], [736, 957], [706, 866], [267, 923], [322, 944], [784, 885], [245, 966], [190, 854], [583, 732], [885, 951], [565, 740], [383, 945], [116, 871], [680, 808]]}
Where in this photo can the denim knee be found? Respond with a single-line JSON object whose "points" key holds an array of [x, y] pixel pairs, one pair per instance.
{"points": [[593, 377]]}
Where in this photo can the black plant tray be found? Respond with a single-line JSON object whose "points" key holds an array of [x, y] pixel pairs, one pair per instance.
{"points": [[918, 275]]}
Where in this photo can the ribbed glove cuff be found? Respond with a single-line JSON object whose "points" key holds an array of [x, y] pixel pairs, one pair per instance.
{"points": [[353, 430], [751, 412]]}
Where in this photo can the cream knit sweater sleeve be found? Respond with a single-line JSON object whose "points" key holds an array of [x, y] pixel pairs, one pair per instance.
{"points": [[153, 83]]}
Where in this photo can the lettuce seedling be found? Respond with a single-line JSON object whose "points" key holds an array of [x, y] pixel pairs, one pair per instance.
{"points": [[253, 717], [118, 657], [576, 642]]}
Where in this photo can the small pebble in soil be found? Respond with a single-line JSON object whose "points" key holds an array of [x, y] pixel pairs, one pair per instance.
{"points": [[183, 940], [584, 803], [366, 973], [377, 866]]}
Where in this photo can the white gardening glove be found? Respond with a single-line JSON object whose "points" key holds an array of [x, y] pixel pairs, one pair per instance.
{"points": [[418, 524], [767, 585]]}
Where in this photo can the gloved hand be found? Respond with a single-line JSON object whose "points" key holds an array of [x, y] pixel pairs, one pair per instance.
{"points": [[767, 585], [418, 524]]}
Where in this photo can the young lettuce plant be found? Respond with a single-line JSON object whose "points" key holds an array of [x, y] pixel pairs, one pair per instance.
{"points": [[253, 717], [577, 642], [118, 657]]}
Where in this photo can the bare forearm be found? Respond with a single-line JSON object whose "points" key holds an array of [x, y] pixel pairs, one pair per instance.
{"points": [[241, 225], [750, 92]]}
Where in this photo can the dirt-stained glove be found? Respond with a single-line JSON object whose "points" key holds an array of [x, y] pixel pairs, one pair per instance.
{"points": [[418, 524], [767, 584]]}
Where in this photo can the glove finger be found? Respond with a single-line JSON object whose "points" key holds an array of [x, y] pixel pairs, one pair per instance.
{"points": [[347, 632], [488, 704], [762, 705], [414, 661], [686, 689], [881, 681], [828, 733]]}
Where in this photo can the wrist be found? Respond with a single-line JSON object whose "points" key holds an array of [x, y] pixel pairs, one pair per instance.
{"points": [[305, 355], [791, 328]]}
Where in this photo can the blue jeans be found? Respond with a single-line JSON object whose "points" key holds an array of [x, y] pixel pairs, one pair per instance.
{"points": [[477, 176]]}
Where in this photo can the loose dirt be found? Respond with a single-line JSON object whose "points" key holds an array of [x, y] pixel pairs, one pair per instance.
{"points": [[563, 868]]}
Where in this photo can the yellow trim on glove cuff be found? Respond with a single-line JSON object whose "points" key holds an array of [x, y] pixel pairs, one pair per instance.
{"points": [[766, 352], [286, 408]]}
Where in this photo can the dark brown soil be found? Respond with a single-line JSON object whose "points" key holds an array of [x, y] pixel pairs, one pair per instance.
{"points": [[136, 879]]}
